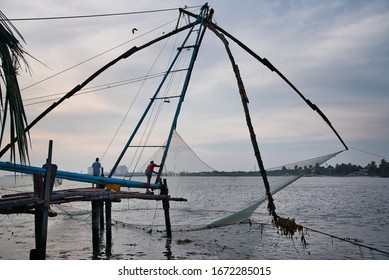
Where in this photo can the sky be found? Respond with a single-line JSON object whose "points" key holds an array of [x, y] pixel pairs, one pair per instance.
{"points": [[335, 52]]}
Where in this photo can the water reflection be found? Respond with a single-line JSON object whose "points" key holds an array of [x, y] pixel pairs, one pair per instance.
{"points": [[168, 253]]}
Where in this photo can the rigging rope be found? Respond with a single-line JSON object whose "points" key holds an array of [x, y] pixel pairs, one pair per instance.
{"points": [[107, 51], [150, 104], [136, 96], [153, 122], [98, 55], [215, 28], [370, 153], [77, 88], [100, 15], [94, 89]]}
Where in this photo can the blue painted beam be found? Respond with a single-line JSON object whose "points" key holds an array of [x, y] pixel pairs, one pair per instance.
{"points": [[7, 166]]}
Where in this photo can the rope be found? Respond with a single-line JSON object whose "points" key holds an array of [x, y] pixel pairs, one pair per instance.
{"points": [[155, 214], [157, 109], [369, 153], [98, 55], [72, 216], [136, 96], [99, 15], [93, 89], [149, 130], [330, 235], [347, 240]]}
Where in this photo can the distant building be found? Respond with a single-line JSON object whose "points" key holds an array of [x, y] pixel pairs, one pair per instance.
{"points": [[121, 170]]}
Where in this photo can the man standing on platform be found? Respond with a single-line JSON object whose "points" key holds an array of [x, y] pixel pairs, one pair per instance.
{"points": [[96, 167], [149, 173]]}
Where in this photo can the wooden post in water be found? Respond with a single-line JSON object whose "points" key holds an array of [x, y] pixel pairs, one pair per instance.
{"points": [[101, 204], [108, 232], [96, 227], [101, 207], [166, 206], [38, 192], [42, 188]]}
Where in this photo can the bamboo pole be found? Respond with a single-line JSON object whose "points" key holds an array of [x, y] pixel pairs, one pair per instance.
{"points": [[268, 64], [200, 35], [271, 207]]}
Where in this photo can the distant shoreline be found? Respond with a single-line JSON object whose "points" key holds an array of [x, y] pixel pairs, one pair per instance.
{"points": [[340, 170]]}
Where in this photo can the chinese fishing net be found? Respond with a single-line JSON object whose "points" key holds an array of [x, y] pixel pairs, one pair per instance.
{"points": [[213, 200]]}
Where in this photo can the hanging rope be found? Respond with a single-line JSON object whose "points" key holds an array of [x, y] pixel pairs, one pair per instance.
{"points": [[135, 131], [152, 121], [135, 98]]}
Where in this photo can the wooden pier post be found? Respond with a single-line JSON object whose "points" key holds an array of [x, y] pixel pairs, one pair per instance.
{"points": [[108, 231], [38, 192], [101, 215], [166, 206], [96, 227], [101, 204], [43, 188]]}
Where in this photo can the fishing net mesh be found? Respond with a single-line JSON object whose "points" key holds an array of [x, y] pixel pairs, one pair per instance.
{"points": [[214, 200], [181, 158]]}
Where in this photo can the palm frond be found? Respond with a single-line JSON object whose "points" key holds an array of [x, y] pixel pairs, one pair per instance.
{"points": [[12, 59]]}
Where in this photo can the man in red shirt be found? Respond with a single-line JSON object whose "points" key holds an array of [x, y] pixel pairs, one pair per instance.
{"points": [[149, 173]]}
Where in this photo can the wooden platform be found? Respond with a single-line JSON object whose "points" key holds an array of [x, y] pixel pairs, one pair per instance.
{"points": [[39, 200], [26, 202]]}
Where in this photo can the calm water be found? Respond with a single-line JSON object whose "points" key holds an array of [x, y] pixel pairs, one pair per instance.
{"points": [[353, 208]]}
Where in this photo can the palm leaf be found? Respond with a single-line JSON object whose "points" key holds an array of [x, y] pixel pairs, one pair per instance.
{"points": [[12, 59]]}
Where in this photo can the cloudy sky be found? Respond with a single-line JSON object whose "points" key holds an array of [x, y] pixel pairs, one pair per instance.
{"points": [[335, 52]]}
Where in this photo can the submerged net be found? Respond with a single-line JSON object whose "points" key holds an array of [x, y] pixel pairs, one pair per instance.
{"points": [[286, 175]]}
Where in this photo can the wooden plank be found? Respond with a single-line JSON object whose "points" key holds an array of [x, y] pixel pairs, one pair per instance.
{"points": [[13, 204], [16, 196]]}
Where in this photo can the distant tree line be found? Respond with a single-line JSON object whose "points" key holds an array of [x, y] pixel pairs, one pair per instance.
{"points": [[372, 169]]}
